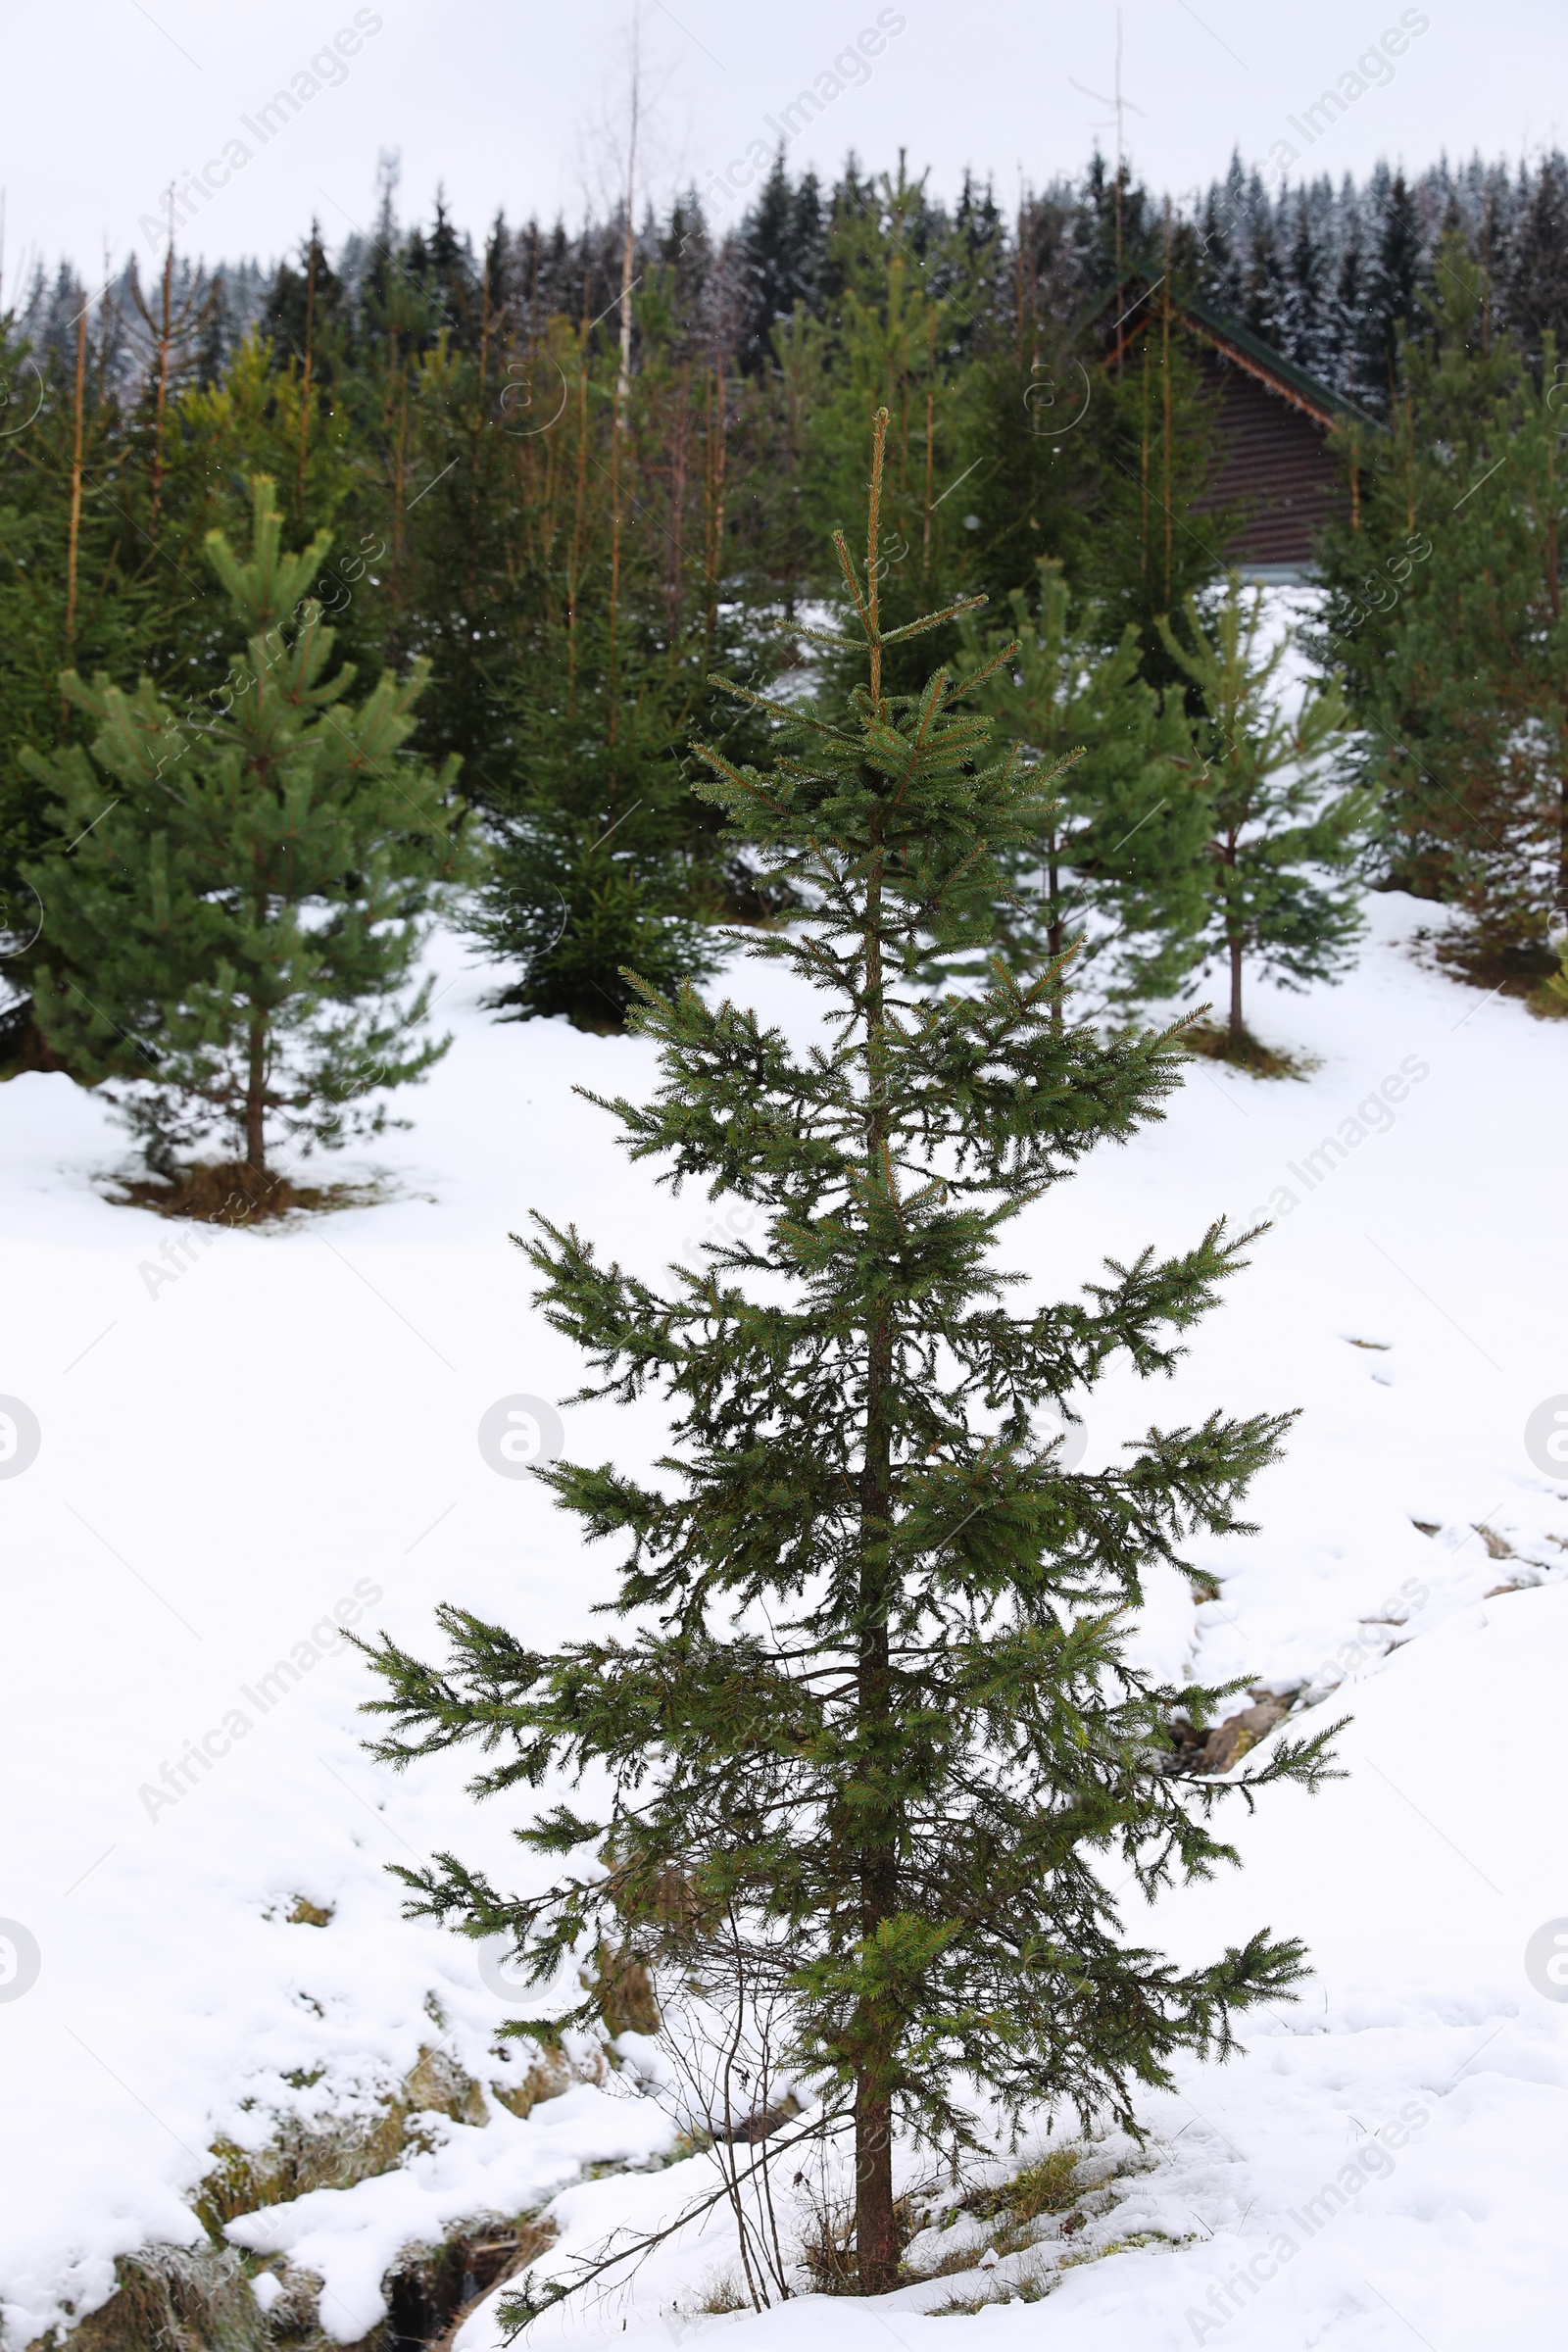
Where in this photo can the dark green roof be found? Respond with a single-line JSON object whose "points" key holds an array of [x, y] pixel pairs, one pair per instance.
{"points": [[1251, 350]]}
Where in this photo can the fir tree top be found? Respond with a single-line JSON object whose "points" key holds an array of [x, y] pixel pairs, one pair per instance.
{"points": [[899, 843]]}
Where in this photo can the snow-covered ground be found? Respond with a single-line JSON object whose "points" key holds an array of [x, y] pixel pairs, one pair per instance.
{"points": [[247, 1441]]}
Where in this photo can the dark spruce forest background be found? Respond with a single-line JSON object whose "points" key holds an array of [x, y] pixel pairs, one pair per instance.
{"points": [[575, 471]]}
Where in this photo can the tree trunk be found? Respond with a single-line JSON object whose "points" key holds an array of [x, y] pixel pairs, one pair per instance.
{"points": [[1055, 927], [575, 575], [75, 536], [1235, 925], [874, 2032], [678, 515], [1164, 361], [930, 450], [617, 436], [305, 381], [256, 1099], [876, 2236], [165, 339], [717, 425], [395, 644], [875, 2230]]}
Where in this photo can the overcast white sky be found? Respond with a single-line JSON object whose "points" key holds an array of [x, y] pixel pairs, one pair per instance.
{"points": [[514, 102]]}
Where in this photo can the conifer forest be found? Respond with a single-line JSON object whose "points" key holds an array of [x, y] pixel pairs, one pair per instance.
{"points": [[782, 992], [561, 477]]}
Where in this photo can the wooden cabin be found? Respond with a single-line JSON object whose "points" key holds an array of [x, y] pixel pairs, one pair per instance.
{"points": [[1276, 428]]}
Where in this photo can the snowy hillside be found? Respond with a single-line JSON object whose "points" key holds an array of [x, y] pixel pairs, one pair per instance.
{"points": [[249, 1441]]}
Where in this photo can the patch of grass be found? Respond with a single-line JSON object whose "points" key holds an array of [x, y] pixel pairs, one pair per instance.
{"points": [[1249, 1053], [1122, 2245], [294, 2319], [1031, 2287], [1519, 968], [228, 1192], [949, 2266], [1069, 2185], [1051, 2185], [725, 2294], [173, 2299], [828, 2249]]}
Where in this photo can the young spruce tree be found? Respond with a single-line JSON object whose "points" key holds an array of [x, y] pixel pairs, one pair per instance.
{"points": [[1115, 862], [595, 863], [1278, 840], [245, 888], [871, 1714]]}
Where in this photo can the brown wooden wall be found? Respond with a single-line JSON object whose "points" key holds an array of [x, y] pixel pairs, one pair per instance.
{"points": [[1274, 457]]}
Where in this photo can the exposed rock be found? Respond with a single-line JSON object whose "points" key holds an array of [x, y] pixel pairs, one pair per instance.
{"points": [[1224, 1744]]}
